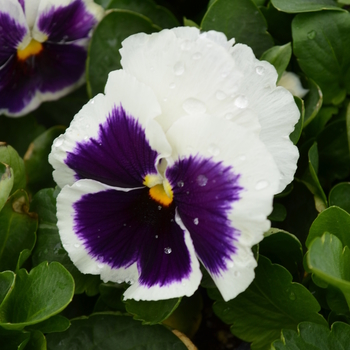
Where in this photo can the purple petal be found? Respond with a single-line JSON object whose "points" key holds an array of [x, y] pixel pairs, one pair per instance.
{"points": [[205, 192], [56, 67], [67, 23], [11, 34], [120, 228], [120, 156]]}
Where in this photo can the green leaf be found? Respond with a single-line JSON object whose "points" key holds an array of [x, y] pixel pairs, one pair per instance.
{"points": [[104, 55], [313, 101], [37, 341], [6, 183], [7, 282], [17, 230], [339, 196], [322, 47], [111, 295], [320, 120], [36, 296], [49, 246], [151, 312], [38, 169], [159, 15], [279, 212], [297, 6], [310, 179], [271, 303], [328, 260], [313, 336], [111, 332], [283, 248], [9, 156], [333, 220], [190, 23], [239, 19], [54, 324], [279, 57], [298, 128], [103, 3], [13, 340]]}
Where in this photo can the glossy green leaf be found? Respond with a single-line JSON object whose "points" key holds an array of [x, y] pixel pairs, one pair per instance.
{"points": [[9, 156], [6, 183], [103, 3], [7, 282], [313, 101], [298, 128], [151, 312], [282, 248], [328, 260], [36, 296], [279, 212], [318, 123], [106, 41], [37, 341], [57, 323], [17, 230], [111, 295], [190, 23], [333, 220], [113, 331], [159, 15], [38, 169], [313, 336], [239, 19], [279, 57], [49, 246], [271, 303], [13, 340], [339, 196], [297, 6], [310, 179], [322, 47]]}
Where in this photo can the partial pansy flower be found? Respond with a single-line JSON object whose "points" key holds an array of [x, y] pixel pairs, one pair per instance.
{"points": [[43, 48], [158, 179]]}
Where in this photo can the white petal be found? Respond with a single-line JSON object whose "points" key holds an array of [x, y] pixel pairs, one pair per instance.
{"points": [[137, 99], [292, 83]]}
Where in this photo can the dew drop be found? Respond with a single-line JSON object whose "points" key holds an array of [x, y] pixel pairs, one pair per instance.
{"points": [[230, 264], [196, 221], [260, 70], [220, 95], [77, 245], [86, 137], [172, 86], [311, 35], [229, 116], [180, 184], [236, 273], [167, 250], [119, 281], [194, 106], [202, 180], [292, 296], [213, 149], [92, 101], [58, 142], [186, 45], [179, 68], [159, 207], [241, 102], [100, 266], [156, 236], [197, 56], [242, 157], [260, 185]]}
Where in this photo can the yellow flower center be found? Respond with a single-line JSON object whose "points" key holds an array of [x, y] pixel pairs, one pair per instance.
{"points": [[160, 191], [33, 48]]}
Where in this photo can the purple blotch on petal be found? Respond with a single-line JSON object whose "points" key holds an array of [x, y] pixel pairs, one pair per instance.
{"points": [[67, 23], [121, 228], [56, 67], [120, 156], [205, 192], [22, 4], [11, 34]]}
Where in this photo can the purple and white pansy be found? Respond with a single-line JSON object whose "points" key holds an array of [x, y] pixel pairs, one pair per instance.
{"points": [[43, 49], [175, 165]]}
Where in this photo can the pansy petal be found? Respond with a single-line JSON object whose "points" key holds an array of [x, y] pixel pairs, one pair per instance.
{"points": [[190, 74], [66, 20], [13, 29], [123, 236], [223, 182], [24, 85], [30, 8], [113, 138]]}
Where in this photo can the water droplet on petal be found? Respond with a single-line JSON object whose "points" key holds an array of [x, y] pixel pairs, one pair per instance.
{"points": [[86, 137], [236, 273], [194, 106], [260, 185], [196, 221], [172, 85], [220, 95], [242, 157], [180, 184], [92, 101], [311, 35], [241, 102], [58, 142], [230, 264], [202, 180], [156, 236], [229, 116], [260, 70], [197, 56], [100, 266], [167, 250], [186, 45], [179, 68], [159, 207], [77, 245], [213, 149]]}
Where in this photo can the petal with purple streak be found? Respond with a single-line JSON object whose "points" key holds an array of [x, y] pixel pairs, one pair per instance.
{"points": [[119, 156], [205, 192]]}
